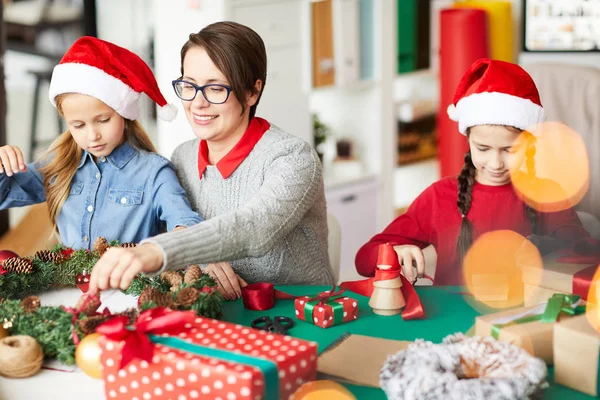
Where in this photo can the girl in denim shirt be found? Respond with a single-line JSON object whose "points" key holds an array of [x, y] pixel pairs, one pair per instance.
{"points": [[102, 177]]}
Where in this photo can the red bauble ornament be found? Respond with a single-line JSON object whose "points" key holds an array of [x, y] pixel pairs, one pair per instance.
{"points": [[5, 254], [83, 281]]}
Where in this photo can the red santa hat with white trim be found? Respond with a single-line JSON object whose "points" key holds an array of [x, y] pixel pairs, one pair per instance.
{"points": [[494, 92], [111, 74]]}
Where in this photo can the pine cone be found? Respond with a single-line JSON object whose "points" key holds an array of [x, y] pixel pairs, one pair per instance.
{"points": [[30, 304], [101, 245], [18, 265], [174, 278], [156, 296], [89, 324], [92, 305], [192, 274], [187, 296], [128, 245], [130, 313], [50, 256]]}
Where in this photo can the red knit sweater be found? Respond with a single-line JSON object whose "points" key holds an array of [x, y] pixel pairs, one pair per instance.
{"points": [[434, 218]]}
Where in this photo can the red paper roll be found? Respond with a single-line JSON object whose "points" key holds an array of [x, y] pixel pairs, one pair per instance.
{"points": [[463, 40]]}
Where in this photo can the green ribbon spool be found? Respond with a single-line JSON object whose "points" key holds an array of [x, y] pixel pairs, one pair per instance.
{"points": [[557, 304], [268, 367]]}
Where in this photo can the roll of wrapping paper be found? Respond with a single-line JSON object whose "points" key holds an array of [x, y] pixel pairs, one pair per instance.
{"points": [[500, 27], [463, 40]]}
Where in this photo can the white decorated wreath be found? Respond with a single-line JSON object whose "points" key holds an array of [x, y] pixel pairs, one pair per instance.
{"points": [[463, 368]]}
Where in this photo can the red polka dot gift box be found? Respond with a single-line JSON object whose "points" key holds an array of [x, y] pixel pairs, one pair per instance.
{"points": [[178, 355], [326, 309]]}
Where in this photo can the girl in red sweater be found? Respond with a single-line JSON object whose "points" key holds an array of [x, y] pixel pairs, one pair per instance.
{"points": [[494, 103]]}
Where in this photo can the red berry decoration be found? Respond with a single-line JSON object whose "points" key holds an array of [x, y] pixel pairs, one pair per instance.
{"points": [[66, 252], [83, 281]]}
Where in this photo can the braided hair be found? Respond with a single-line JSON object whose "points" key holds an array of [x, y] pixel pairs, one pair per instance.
{"points": [[466, 181]]}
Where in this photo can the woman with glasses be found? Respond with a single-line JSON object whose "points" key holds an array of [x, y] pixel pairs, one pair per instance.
{"points": [[259, 189]]}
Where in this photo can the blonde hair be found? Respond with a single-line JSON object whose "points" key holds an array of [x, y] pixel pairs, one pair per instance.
{"points": [[65, 155]]}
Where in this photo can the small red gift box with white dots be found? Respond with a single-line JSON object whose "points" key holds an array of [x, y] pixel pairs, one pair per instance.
{"points": [[180, 375], [323, 314]]}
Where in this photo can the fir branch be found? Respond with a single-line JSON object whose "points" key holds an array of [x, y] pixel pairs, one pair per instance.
{"points": [[50, 326], [209, 305], [47, 275], [141, 282]]}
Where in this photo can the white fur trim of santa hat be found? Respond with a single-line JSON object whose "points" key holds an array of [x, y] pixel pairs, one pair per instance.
{"points": [[494, 108], [92, 81], [167, 112]]}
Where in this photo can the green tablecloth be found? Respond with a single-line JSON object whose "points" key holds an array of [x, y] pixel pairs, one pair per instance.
{"points": [[447, 313]]}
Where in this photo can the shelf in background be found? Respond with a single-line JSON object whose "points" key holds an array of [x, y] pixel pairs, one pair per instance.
{"points": [[411, 179]]}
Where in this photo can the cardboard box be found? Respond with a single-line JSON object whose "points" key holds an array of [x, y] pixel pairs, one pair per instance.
{"points": [[576, 355], [524, 327], [181, 372], [555, 277]]}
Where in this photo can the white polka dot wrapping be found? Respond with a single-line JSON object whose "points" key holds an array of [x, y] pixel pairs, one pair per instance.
{"points": [[177, 374], [463, 368], [323, 314]]}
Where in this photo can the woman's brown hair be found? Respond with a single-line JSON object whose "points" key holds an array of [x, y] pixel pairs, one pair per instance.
{"points": [[64, 156], [466, 181], [238, 52]]}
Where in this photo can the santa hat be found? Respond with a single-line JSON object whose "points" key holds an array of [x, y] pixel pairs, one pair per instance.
{"points": [[388, 256], [495, 92], [110, 73]]}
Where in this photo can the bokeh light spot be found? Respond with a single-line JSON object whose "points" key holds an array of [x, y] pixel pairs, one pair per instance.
{"points": [[554, 174], [492, 268], [322, 390], [592, 311]]}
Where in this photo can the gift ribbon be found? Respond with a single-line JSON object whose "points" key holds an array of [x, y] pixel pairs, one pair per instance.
{"points": [[326, 298], [267, 367], [547, 312], [262, 296], [414, 307], [582, 281], [139, 342], [75, 313]]}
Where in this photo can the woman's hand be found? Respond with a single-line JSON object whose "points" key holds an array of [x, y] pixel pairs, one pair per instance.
{"points": [[411, 257], [118, 266], [230, 284], [11, 160]]}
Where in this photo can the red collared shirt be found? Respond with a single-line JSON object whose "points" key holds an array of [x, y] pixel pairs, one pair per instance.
{"points": [[256, 129]]}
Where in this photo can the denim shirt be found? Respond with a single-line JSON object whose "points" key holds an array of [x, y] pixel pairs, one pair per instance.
{"points": [[128, 196]]}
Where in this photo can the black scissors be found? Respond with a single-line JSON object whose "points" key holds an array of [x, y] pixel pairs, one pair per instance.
{"points": [[278, 325]]}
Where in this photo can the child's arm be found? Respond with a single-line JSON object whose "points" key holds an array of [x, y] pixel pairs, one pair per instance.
{"points": [[410, 228], [20, 184], [170, 200]]}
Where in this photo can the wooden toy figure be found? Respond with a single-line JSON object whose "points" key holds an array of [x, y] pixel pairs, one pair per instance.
{"points": [[387, 298]]}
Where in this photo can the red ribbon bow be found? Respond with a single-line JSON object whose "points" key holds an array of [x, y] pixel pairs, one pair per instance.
{"points": [[86, 299], [326, 296], [155, 321], [413, 309]]}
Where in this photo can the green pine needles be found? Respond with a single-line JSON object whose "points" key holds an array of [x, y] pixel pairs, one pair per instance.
{"points": [[53, 327]]}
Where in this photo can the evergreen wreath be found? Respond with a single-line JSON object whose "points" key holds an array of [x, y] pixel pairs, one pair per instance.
{"points": [[55, 327]]}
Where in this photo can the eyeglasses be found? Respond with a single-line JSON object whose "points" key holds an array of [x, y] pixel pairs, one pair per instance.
{"points": [[213, 93]]}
